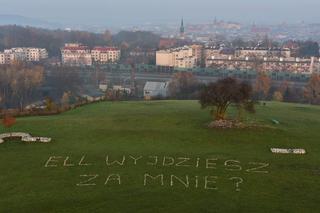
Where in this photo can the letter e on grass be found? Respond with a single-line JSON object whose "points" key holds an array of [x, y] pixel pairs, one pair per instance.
{"points": [[52, 159]]}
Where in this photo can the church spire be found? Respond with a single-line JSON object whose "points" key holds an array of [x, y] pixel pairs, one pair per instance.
{"points": [[182, 29]]}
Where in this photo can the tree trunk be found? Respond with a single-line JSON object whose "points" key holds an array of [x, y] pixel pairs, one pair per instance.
{"points": [[220, 113]]}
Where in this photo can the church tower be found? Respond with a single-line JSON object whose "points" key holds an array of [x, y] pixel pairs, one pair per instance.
{"points": [[182, 29]]}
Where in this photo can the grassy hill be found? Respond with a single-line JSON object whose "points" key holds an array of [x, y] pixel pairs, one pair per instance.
{"points": [[200, 167]]}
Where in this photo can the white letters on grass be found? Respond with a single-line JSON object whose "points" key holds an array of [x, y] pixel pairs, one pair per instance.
{"points": [[25, 137], [164, 171], [288, 151]]}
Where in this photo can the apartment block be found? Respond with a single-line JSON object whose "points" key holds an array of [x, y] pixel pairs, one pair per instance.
{"points": [[74, 54], [2, 58], [182, 57], [105, 55], [263, 52], [23, 54]]}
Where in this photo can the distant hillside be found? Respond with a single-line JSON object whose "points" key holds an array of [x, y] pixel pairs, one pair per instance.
{"points": [[26, 21], [53, 40]]}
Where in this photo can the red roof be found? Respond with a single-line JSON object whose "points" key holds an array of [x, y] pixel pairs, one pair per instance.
{"points": [[104, 49], [76, 48]]}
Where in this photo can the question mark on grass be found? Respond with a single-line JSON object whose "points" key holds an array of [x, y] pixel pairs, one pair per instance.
{"points": [[238, 181]]}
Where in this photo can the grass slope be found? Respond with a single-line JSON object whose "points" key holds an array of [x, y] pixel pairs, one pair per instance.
{"points": [[164, 128]]}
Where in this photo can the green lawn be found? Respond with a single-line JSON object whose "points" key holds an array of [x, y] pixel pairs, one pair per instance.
{"points": [[165, 131]]}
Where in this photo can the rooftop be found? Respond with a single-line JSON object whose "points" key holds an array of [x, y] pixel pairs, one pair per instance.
{"points": [[151, 85], [105, 48]]}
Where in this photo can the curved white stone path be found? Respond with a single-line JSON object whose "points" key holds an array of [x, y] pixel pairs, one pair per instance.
{"points": [[25, 137]]}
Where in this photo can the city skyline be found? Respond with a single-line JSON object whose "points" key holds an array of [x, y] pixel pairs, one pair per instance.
{"points": [[124, 12]]}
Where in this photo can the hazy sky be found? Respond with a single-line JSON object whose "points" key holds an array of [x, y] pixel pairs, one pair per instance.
{"points": [[112, 12]]}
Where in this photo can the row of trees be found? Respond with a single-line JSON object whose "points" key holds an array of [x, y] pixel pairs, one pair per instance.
{"points": [[19, 83], [287, 91], [22, 84], [218, 96], [185, 85]]}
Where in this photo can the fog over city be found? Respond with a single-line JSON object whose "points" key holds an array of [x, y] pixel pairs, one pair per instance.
{"points": [[145, 11]]}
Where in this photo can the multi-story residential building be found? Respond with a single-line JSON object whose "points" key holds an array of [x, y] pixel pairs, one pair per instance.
{"points": [[23, 54], [212, 51], [75, 54], [183, 57], [187, 62], [164, 58], [105, 55], [2, 58], [36, 54], [272, 64], [10, 58], [263, 52], [13, 54]]}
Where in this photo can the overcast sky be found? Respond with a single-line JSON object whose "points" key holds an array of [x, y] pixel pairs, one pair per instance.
{"points": [[113, 12]]}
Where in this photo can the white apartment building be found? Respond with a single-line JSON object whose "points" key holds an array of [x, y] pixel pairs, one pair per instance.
{"points": [[8, 58], [75, 54], [183, 57], [15, 54], [23, 54], [2, 58], [263, 52], [105, 55], [36, 54], [212, 51], [187, 62]]}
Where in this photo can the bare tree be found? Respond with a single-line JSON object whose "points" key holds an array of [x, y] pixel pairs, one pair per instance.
{"points": [[220, 95], [312, 90], [262, 85], [18, 83], [183, 85]]}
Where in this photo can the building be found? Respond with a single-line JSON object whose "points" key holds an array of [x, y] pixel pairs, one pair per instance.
{"points": [[74, 54], [182, 35], [36, 54], [186, 62], [263, 52], [11, 57], [30, 54], [212, 51], [272, 64], [122, 89], [182, 57], [155, 90], [2, 58], [105, 55], [92, 93], [267, 59], [13, 54], [165, 58]]}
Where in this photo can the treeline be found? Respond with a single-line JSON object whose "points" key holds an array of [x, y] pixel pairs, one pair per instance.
{"points": [[22, 84], [19, 84], [53, 40], [185, 85]]}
